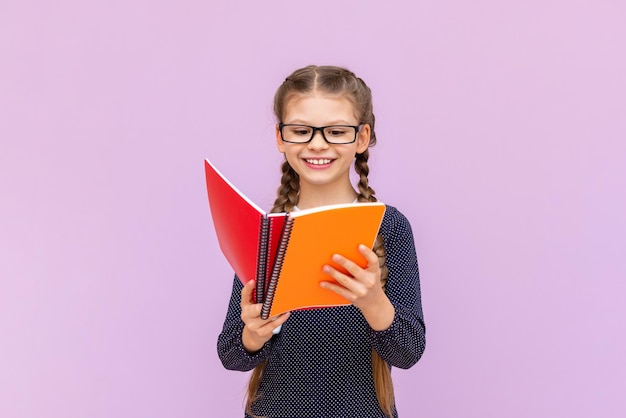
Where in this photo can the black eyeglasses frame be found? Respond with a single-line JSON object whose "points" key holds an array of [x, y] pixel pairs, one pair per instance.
{"points": [[356, 128]]}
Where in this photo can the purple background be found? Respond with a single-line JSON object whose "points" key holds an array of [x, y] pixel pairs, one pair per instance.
{"points": [[502, 138]]}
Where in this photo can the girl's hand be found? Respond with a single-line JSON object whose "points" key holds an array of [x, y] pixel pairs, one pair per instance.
{"points": [[362, 287], [256, 331]]}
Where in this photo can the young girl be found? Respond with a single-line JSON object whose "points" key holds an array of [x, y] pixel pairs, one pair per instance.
{"points": [[330, 362]]}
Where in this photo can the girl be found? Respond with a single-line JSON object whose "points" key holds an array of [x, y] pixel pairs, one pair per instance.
{"points": [[331, 362]]}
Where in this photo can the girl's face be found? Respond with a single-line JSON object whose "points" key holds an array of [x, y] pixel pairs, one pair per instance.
{"points": [[317, 162]]}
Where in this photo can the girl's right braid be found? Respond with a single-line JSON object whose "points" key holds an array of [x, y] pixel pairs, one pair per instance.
{"points": [[288, 191]]}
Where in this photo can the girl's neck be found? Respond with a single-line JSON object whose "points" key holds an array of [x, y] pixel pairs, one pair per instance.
{"points": [[320, 196]]}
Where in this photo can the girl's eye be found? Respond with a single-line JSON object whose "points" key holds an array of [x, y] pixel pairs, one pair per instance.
{"points": [[298, 130], [336, 132]]}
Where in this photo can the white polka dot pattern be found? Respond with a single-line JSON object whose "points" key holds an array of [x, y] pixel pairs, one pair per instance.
{"points": [[320, 364]]}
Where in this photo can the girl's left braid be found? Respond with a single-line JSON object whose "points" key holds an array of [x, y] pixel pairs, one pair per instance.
{"points": [[366, 193]]}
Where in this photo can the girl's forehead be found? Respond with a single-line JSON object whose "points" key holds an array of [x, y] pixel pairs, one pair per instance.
{"points": [[320, 105]]}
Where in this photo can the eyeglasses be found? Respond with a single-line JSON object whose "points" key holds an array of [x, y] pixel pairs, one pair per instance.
{"points": [[301, 134]]}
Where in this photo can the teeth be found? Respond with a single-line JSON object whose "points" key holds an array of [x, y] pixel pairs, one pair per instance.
{"points": [[318, 162]]}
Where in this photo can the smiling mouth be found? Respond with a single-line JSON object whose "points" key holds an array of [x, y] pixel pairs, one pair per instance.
{"points": [[318, 161]]}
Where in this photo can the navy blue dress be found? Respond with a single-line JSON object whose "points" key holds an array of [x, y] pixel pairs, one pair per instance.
{"points": [[319, 364]]}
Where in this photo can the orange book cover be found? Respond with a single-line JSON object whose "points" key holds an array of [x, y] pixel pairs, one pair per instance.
{"points": [[285, 252], [316, 235]]}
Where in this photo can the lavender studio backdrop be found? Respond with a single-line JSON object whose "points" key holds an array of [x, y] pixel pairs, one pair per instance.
{"points": [[501, 129]]}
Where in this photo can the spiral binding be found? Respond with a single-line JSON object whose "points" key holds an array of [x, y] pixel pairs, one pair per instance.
{"points": [[278, 266], [261, 260], [268, 262]]}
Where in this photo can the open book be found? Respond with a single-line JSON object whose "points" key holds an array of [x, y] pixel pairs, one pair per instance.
{"points": [[285, 252]]}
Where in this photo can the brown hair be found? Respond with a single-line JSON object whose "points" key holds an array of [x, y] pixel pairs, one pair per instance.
{"points": [[335, 81]]}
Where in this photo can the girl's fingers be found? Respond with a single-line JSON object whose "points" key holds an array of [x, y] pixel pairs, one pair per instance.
{"points": [[246, 293], [359, 284], [353, 268], [256, 330], [251, 311], [275, 322], [264, 328], [370, 256], [251, 316], [349, 265], [340, 290], [339, 277]]}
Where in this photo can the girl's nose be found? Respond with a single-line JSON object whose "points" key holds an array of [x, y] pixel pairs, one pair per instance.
{"points": [[318, 141]]}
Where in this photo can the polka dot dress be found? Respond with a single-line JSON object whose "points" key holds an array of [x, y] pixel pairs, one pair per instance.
{"points": [[319, 364]]}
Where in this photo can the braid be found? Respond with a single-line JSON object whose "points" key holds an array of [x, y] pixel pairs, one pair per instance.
{"points": [[289, 190], [366, 193]]}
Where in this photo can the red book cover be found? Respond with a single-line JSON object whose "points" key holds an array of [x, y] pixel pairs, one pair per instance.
{"points": [[238, 224]]}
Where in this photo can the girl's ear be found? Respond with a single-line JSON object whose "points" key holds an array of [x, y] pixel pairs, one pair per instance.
{"points": [[363, 138], [279, 141]]}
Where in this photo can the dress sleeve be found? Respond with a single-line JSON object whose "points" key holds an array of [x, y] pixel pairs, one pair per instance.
{"points": [[230, 348], [403, 343]]}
